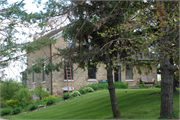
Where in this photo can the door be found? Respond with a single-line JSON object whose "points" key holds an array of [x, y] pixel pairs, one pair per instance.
{"points": [[117, 74]]}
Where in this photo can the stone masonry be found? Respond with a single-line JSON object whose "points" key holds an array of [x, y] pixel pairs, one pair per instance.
{"points": [[80, 77]]}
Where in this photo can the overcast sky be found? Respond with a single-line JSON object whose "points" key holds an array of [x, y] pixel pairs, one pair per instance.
{"points": [[14, 69]]}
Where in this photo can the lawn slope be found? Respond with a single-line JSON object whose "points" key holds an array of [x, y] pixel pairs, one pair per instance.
{"points": [[132, 103]]}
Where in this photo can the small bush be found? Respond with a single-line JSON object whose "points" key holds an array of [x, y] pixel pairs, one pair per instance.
{"points": [[32, 107], [13, 103], [23, 102], [66, 96], [41, 102], [99, 86], [82, 91], [75, 93], [50, 101], [157, 86], [48, 97], [120, 85], [8, 88], [41, 93], [23, 95], [142, 85], [94, 87], [6, 111], [30, 102], [16, 111], [3, 104], [88, 89]]}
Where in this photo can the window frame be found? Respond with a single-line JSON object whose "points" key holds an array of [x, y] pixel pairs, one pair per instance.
{"points": [[68, 71], [44, 73], [33, 75], [129, 71], [24, 79], [93, 72]]}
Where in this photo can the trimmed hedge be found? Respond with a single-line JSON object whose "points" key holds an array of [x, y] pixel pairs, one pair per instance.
{"points": [[6, 111], [32, 107]]}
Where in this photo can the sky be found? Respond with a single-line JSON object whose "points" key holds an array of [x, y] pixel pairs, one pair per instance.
{"points": [[14, 69]]}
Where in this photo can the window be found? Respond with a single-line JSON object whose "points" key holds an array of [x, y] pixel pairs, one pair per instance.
{"points": [[24, 78], [34, 76], [91, 73], [129, 73], [44, 73], [69, 73]]}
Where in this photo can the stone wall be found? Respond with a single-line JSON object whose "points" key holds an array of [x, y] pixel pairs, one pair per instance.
{"points": [[136, 75], [44, 52], [80, 76]]}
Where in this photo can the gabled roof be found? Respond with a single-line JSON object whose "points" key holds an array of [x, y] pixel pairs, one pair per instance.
{"points": [[54, 32]]}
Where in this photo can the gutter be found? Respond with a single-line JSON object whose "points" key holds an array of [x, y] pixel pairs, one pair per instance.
{"points": [[50, 63]]}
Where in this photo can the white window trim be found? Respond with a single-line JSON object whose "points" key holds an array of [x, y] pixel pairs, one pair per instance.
{"points": [[69, 80], [129, 80], [44, 82], [91, 80], [34, 77], [34, 83], [44, 89]]}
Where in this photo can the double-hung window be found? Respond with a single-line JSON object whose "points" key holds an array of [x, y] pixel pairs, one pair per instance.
{"points": [[34, 75], [44, 73], [129, 73], [24, 78], [91, 73], [68, 72]]}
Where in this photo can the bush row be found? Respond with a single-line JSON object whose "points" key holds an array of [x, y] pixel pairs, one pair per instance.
{"points": [[94, 87], [12, 109], [77, 93], [143, 85], [101, 86]]}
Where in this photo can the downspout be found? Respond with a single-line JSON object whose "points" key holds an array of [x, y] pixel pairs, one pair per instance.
{"points": [[50, 63]]}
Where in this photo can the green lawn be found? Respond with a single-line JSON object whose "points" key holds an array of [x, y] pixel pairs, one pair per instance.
{"points": [[133, 104]]}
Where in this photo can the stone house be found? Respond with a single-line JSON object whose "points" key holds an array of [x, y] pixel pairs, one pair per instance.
{"points": [[56, 83]]}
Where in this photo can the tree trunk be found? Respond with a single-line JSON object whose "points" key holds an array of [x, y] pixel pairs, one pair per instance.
{"points": [[166, 89], [109, 67], [111, 87], [167, 69]]}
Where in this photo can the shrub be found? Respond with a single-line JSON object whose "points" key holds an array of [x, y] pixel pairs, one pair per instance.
{"points": [[94, 87], [23, 95], [75, 93], [6, 111], [88, 89], [13, 103], [32, 107], [3, 104], [9, 88], [41, 93], [157, 86], [49, 97], [142, 85], [120, 85], [41, 102], [66, 96], [50, 101], [82, 91], [16, 111], [99, 86], [23, 102], [30, 102]]}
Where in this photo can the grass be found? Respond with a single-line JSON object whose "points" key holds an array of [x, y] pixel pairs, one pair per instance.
{"points": [[133, 104]]}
